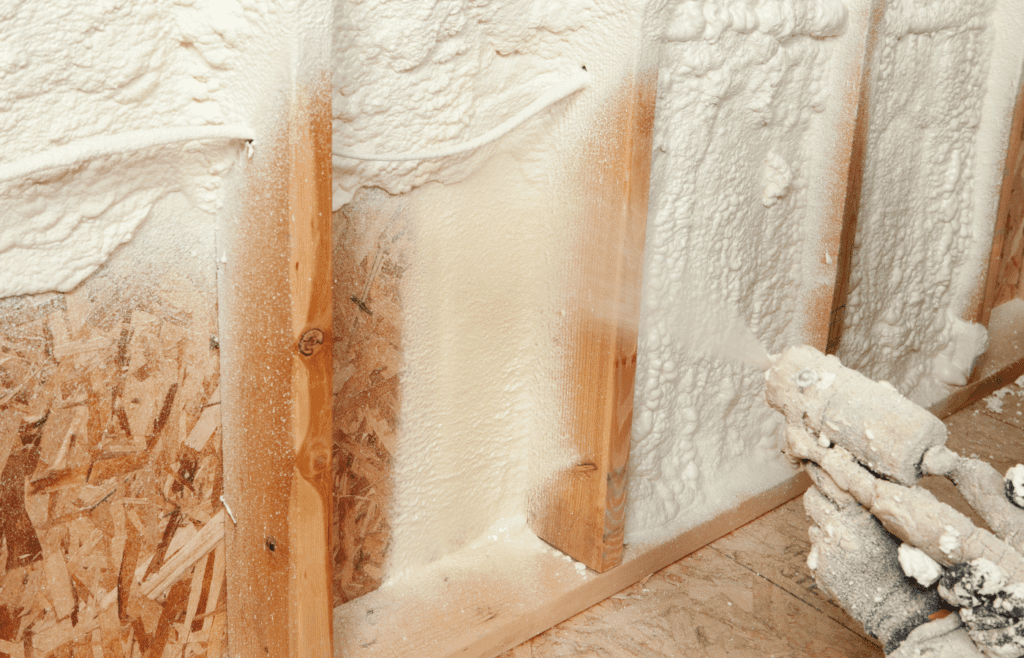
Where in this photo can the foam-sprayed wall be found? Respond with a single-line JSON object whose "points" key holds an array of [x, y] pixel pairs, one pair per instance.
{"points": [[482, 243], [110, 71], [112, 254], [945, 79], [756, 110], [752, 120]]}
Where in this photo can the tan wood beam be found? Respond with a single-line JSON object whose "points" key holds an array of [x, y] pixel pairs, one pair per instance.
{"points": [[1003, 279], [582, 511], [276, 344]]}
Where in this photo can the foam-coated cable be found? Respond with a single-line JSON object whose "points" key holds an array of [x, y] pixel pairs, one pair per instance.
{"points": [[90, 148], [560, 91]]}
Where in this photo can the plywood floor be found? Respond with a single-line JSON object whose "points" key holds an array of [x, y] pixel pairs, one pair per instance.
{"points": [[750, 594]]}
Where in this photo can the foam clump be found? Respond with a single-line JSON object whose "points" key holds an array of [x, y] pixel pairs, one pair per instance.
{"points": [[1015, 485], [917, 565]]}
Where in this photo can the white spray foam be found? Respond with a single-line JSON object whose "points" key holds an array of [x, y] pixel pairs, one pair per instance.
{"points": [[1015, 485], [478, 407], [917, 565], [944, 81], [741, 133], [719, 331], [90, 111], [477, 424]]}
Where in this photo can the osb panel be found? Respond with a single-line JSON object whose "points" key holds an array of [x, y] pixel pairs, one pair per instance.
{"points": [[110, 469], [370, 248]]}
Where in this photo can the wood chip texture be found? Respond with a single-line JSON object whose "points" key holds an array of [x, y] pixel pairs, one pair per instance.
{"points": [[110, 474], [370, 256]]}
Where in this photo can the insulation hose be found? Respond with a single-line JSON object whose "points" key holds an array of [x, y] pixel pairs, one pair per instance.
{"points": [[83, 150], [562, 90]]}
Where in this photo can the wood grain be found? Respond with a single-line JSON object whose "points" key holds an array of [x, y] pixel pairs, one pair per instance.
{"points": [[1003, 279], [276, 303], [99, 487], [582, 511], [483, 602], [997, 438], [776, 547]]}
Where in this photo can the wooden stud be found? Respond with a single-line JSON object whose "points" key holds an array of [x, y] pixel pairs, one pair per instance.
{"points": [[582, 511], [277, 342], [845, 229], [1003, 279]]}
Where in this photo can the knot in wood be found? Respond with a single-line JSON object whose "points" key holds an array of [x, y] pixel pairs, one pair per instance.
{"points": [[310, 342], [320, 462]]}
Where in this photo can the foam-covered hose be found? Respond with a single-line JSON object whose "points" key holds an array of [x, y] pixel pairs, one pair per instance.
{"points": [[886, 432], [855, 562], [563, 89], [90, 148]]}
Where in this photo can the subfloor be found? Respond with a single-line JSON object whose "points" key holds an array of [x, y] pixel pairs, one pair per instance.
{"points": [[750, 594]]}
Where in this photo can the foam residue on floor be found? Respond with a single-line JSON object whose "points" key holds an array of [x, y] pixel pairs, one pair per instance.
{"points": [[994, 402]]}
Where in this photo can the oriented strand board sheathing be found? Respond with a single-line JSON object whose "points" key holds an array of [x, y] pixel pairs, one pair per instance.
{"points": [[369, 259], [110, 474], [704, 605]]}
